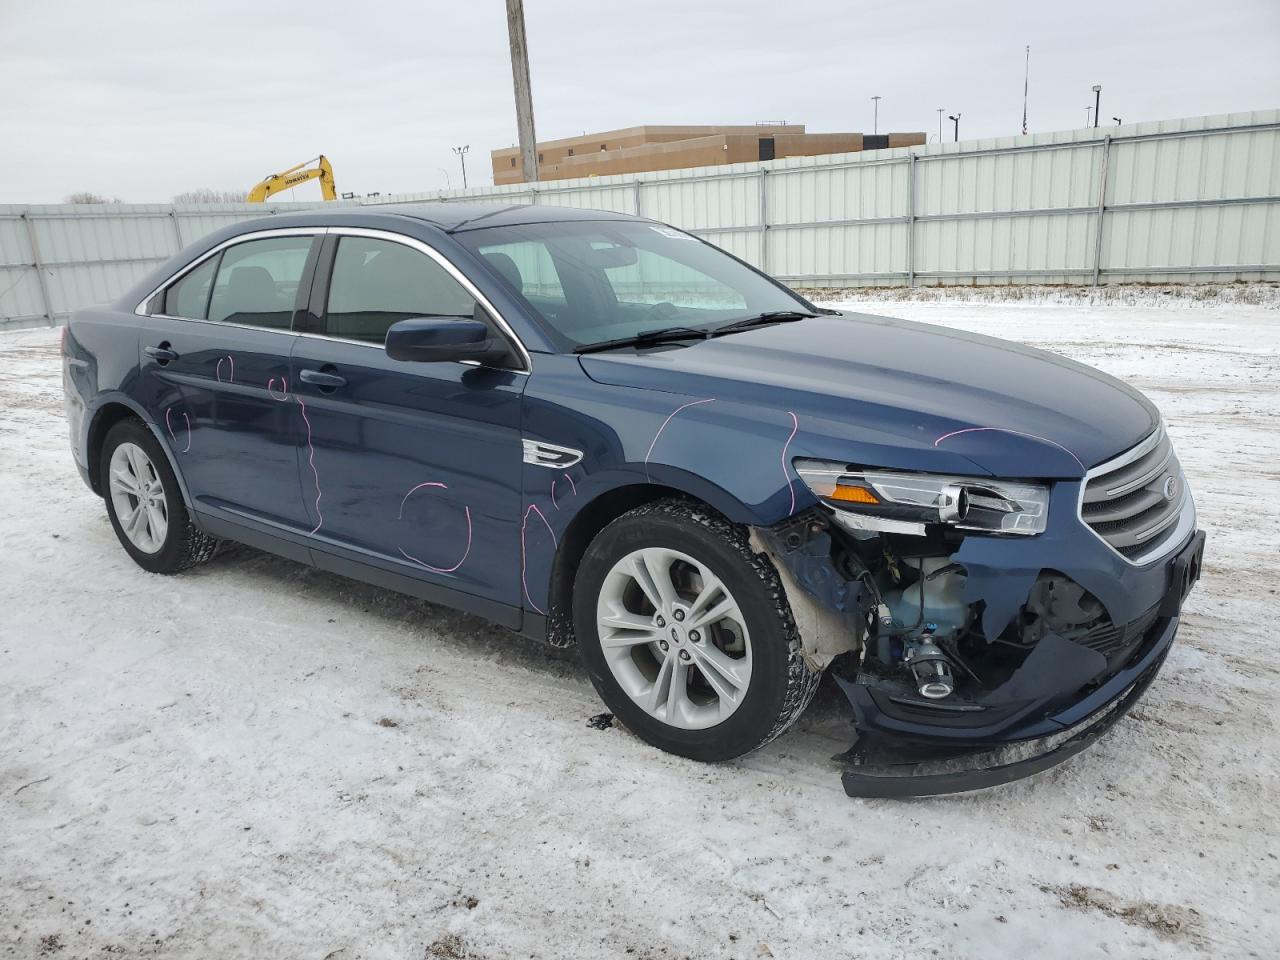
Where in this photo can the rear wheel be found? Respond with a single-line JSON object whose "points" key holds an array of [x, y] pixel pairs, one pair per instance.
{"points": [[145, 505], [687, 634]]}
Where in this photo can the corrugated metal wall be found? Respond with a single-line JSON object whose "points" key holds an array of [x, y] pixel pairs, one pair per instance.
{"points": [[1177, 200]]}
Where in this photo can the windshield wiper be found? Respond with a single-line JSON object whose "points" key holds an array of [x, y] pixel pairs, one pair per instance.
{"points": [[646, 339], [761, 320]]}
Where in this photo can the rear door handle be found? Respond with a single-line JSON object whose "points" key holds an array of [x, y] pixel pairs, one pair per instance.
{"points": [[325, 381], [161, 353]]}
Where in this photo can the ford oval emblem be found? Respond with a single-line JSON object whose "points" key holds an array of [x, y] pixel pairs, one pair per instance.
{"points": [[1170, 487]]}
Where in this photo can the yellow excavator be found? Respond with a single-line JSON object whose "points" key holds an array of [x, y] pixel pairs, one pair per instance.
{"points": [[288, 179]]}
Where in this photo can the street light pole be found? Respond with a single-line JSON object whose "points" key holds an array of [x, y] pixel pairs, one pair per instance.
{"points": [[956, 120], [1097, 102], [462, 155], [940, 110], [875, 123], [1088, 115]]}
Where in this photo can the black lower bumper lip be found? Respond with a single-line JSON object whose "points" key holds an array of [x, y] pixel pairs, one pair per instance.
{"points": [[1049, 741]]}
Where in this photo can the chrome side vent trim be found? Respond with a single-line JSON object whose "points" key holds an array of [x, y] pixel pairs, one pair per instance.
{"points": [[550, 455]]}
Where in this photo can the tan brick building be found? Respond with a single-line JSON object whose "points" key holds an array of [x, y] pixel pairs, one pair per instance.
{"points": [[640, 149]]}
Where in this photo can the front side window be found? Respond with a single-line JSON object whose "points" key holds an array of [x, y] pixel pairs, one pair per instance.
{"points": [[257, 282], [591, 281], [376, 283]]}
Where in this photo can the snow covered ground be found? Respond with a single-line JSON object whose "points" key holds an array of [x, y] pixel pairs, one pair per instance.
{"points": [[256, 759]]}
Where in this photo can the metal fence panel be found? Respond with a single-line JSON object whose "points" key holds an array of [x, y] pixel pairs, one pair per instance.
{"points": [[1178, 200]]}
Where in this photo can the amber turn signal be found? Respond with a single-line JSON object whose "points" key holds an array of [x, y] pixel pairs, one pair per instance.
{"points": [[854, 494]]}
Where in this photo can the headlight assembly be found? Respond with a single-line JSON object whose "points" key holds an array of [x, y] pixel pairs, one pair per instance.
{"points": [[900, 502]]}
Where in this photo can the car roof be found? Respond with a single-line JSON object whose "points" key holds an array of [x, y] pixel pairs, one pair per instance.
{"points": [[455, 216]]}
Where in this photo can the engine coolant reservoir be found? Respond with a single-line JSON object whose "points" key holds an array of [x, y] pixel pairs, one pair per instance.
{"points": [[943, 597]]}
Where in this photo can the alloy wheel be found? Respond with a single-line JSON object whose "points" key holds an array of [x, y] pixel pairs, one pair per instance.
{"points": [[137, 494], [674, 638]]}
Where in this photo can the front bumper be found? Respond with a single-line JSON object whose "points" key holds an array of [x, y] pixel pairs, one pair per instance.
{"points": [[1058, 708]]}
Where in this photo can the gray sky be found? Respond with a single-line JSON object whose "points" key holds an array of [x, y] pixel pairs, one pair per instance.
{"points": [[142, 99]]}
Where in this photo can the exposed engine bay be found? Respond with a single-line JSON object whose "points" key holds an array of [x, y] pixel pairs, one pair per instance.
{"points": [[915, 637]]}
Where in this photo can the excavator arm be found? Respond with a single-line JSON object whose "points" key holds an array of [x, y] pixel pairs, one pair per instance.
{"points": [[288, 179]]}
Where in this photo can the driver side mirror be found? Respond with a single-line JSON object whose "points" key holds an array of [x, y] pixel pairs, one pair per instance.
{"points": [[436, 339]]}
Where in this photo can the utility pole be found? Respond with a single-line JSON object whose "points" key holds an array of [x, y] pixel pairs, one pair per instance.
{"points": [[875, 123], [524, 94], [1026, 86], [462, 155], [1097, 102], [956, 120]]}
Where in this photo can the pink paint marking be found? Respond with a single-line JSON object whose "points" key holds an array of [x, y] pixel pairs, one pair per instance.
{"points": [[1017, 433], [465, 553], [218, 370], [572, 486], [795, 426], [431, 483], [188, 419], [311, 458], [654, 443], [553, 494], [311, 449], [524, 563]]}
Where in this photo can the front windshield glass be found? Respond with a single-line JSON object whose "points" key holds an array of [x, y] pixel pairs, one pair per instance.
{"points": [[592, 281]]}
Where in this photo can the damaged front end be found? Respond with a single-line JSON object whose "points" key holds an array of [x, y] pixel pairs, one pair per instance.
{"points": [[982, 630]]}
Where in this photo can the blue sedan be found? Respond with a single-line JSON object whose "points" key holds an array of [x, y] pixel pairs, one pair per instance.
{"points": [[600, 430]]}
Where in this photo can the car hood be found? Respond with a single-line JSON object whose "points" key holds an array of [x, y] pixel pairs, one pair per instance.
{"points": [[866, 383]]}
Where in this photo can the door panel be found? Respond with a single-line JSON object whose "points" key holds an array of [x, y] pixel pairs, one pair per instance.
{"points": [[415, 464], [225, 406]]}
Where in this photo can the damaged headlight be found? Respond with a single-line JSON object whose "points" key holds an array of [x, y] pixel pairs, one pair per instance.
{"points": [[901, 502]]}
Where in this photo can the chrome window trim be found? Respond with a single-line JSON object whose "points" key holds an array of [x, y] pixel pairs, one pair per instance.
{"points": [[521, 350], [141, 308], [1186, 522]]}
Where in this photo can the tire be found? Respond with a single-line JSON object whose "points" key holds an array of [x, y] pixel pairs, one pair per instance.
{"points": [[734, 684], [163, 539]]}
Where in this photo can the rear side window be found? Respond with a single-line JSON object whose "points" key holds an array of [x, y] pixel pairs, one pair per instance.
{"points": [[376, 283], [189, 297], [257, 282]]}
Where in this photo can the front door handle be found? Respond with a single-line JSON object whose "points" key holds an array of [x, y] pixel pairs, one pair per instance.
{"points": [[162, 353], [325, 381]]}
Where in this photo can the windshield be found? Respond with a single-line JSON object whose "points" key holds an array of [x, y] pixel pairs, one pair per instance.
{"points": [[592, 281]]}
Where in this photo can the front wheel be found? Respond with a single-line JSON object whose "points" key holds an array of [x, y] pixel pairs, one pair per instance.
{"points": [[687, 634]]}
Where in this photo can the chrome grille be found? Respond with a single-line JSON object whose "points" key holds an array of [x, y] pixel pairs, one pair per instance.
{"points": [[1134, 502]]}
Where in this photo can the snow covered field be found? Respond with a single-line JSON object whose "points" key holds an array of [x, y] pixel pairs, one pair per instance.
{"points": [[256, 759]]}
